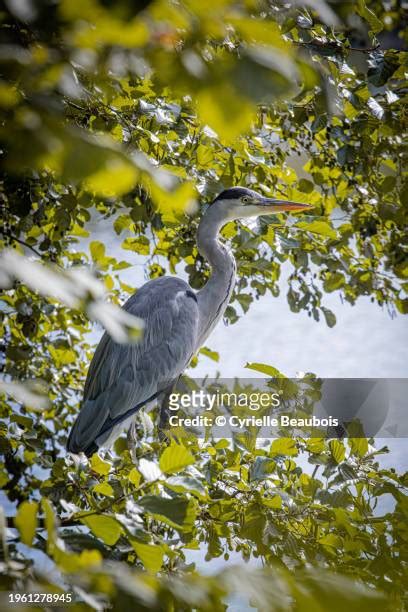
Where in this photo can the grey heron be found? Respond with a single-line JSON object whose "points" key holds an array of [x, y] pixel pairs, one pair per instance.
{"points": [[124, 378]]}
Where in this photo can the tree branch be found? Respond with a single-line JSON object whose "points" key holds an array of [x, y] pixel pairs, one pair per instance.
{"points": [[28, 246], [335, 46]]}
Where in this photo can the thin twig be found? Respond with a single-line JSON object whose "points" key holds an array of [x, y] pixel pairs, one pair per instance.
{"points": [[335, 46], [28, 246], [70, 103], [366, 50]]}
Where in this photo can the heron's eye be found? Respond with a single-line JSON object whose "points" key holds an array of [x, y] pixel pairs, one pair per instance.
{"points": [[245, 199]]}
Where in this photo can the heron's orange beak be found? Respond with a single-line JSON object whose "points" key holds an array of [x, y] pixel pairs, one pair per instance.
{"points": [[284, 205], [295, 206]]}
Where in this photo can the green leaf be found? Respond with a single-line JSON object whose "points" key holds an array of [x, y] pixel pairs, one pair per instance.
{"points": [[62, 356], [175, 458], [104, 488], [323, 591], [358, 446], [337, 450], [333, 281], [151, 555], [224, 110], [123, 222], [139, 244], [376, 25], [181, 484], [321, 228], [401, 269], [265, 369], [331, 541], [306, 186], [97, 250], [329, 316], [105, 527], [387, 184], [210, 354], [99, 466], [283, 446], [315, 445], [26, 521], [253, 523], [115, 178], [262, 468], [177, 512], [134, 477], [205, 155], [402, 305], [275, 502], [245, 300], [50, 525]]}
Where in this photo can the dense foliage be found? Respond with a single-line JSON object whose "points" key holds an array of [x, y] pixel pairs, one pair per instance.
{"points": [[134, 114]]}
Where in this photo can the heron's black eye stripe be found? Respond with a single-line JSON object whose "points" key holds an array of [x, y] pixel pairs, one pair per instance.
{"points": [[191, 294], [232, 194]]}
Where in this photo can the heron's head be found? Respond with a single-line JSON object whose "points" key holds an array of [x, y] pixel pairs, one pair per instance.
{"points": [[240, 202]]}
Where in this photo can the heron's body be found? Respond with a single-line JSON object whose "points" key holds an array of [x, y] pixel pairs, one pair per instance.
{"points": [[123, 378]]}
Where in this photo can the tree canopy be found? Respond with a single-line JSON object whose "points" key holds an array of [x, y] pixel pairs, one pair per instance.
{"points": [[136, 114]]}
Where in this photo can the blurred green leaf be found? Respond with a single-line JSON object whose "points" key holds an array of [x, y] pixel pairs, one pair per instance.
{"points": [[376, 24], [26, 521]]}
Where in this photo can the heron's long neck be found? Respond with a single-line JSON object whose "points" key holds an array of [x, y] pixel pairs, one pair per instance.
{"points": [[213, 298]]}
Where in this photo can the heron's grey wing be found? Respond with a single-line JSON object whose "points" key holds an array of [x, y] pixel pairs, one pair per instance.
{"points": [[122, 378]]}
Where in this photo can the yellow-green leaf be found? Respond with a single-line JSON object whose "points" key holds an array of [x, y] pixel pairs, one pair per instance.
{"points": [[62, 356], [210, 354], [315, 445], [274, 502], [265, 369], [318, 227], [104, 527], [174, 458], [376, 25], [358, 446], [99, 466], [337, 450], [224, 110], [284, 446], [331, 542], [26, 521], [104, 488], [50, 525], [151, 555], [138, 244], [117, 177], [134, 477], [173, 205], [97, 250]]}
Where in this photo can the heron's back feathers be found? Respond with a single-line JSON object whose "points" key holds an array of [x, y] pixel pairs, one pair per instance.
{"points": [[122, 378]]}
